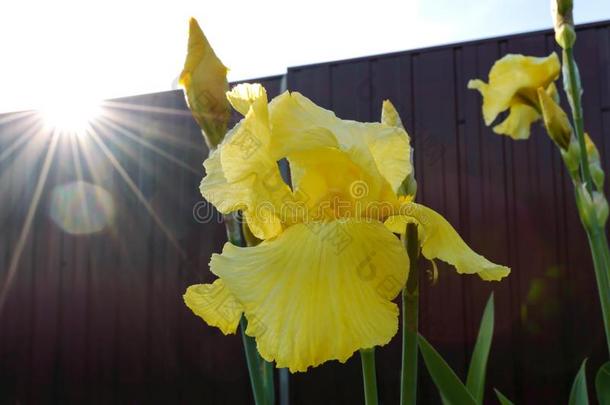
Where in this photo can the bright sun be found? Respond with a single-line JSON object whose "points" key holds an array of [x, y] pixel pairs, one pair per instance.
{"points": [[70, 115]]}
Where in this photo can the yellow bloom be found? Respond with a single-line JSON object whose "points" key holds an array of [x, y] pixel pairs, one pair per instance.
{"points": [[320, 286], [204, 78], [513, 85], [555, 120]]}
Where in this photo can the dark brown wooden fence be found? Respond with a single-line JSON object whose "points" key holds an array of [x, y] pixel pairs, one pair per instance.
{"points": [[98, 318]]}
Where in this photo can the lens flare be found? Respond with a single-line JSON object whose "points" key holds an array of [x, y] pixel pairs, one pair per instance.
{"points": [[81, 208]]}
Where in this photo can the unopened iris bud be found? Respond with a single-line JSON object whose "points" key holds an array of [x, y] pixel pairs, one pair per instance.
{"points": [[571, 157], [204, 79], [564, 22], [601, 207], [595, 166], [555, 120], [593, 206]]}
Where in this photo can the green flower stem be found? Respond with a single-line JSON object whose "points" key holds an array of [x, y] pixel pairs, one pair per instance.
{"points": [[369, 376], [601, 264], [575, 91], [284, 386], [260, 371], [410, 317], [266, 370], [252, 360], [595, 233]]}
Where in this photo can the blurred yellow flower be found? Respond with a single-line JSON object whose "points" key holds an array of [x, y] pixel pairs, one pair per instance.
{"points": [[513, 85], [320, 286], [204, 79]]}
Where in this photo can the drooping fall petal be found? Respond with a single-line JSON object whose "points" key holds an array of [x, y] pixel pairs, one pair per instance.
{"points": [[215, 305], [319, 291], [439, 240]]}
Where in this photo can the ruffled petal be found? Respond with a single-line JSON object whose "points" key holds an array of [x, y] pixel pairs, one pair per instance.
{"points": [[260, 195], [319, 291], [246, 148], [439, 240], [242, 174], [226, 197], [215, 305], [246, 95], [376, 147]]}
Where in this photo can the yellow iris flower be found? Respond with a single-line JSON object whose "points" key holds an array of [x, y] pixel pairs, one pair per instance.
{"points": [[513, 85], [321, 283]]}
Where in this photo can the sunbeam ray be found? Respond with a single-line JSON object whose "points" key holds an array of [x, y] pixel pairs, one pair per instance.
{"points": [[119, 168], [146, 144], [25, 229]]}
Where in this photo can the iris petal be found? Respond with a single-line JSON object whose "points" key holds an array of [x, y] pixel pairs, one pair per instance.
{"points": [[215, 305], [319, 291], [439, 240], [376, 147]]}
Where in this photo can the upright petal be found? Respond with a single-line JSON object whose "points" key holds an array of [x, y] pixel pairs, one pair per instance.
{"points": [[439, 240], [390, 116], [376, 147], [215, 305], [243, 174], [319, 291]]}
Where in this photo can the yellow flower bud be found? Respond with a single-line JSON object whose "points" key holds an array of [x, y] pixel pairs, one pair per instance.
{"points": [[204, 79], [555, 120], [595, 166], [571, 157]]}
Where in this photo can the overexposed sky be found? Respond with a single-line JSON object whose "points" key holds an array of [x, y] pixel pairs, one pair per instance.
{"points": [[99, 49]]}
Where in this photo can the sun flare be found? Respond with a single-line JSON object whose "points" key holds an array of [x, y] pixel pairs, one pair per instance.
{"points": [[71, 115]]}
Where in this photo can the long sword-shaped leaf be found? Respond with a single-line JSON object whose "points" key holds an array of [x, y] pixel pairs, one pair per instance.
{"points": [[452, 390], [503, 400], [475, 382], [602, 384], [578, 394]]}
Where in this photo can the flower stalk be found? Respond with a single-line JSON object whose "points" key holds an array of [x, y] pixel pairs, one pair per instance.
{"points": [[587, 212], [369, 376], [410, 320], [574, 90], [260, 371]]}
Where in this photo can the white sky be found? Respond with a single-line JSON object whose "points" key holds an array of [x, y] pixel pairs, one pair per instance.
{"points": [[111, 48]]}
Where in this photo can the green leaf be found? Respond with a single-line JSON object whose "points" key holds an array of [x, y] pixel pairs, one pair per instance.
{"points": [[602, 384], [475, 382], [452, 390], [503, 400], [578, 394]]}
